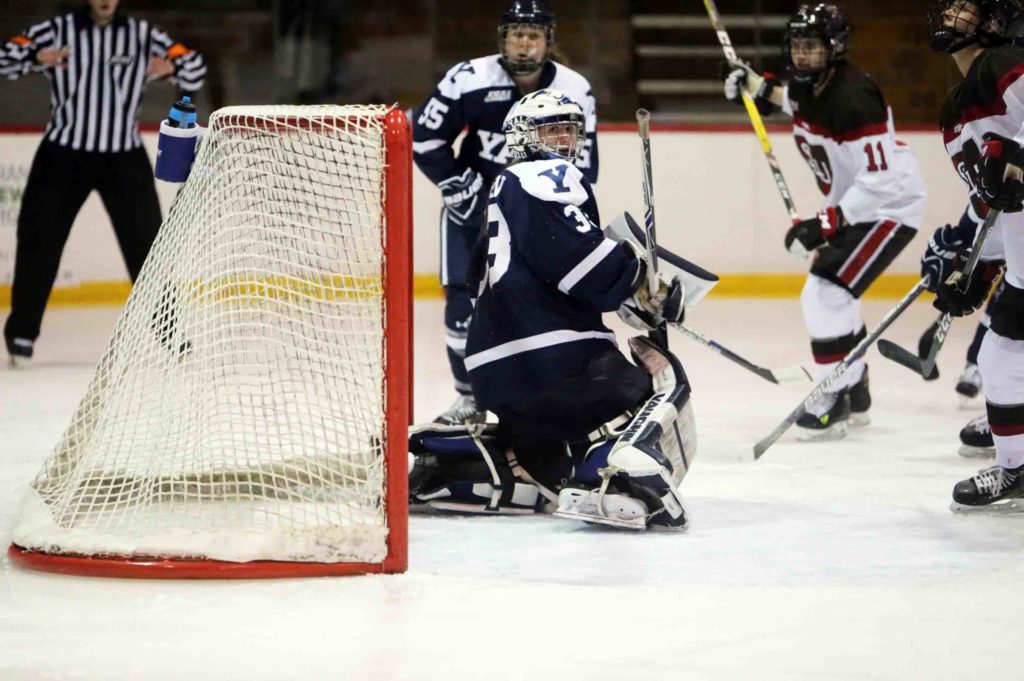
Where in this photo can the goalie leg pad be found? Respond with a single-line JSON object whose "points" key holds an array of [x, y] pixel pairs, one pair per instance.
{"points": [[464, 469], [651, 456]]}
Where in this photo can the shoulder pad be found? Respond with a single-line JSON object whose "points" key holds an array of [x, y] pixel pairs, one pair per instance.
{"points": [[475, 74], [552, 180]]}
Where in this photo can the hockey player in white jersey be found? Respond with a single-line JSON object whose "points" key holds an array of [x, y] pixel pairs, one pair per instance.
{"points": [[579, 426], [874, 196], [476, 96], [982, 123]]}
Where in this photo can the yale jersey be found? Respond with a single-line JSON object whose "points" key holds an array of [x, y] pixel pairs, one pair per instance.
{"points": [[477, 95], [990, 99], [550, 274], [847, 137]]}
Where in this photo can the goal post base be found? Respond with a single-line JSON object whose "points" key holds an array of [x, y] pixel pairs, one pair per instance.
{"points": [[166, 568]]}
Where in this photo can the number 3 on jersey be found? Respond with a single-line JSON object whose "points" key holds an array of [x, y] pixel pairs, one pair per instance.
{"points": [[499, 244]]}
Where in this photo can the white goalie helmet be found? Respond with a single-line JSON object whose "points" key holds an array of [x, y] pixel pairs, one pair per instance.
{"points": [[535, 111]]}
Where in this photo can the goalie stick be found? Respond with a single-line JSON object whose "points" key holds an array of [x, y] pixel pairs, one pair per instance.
{"points": [[961, 277], [643, 127], [795, 374], [754, 114], [833, 376]]}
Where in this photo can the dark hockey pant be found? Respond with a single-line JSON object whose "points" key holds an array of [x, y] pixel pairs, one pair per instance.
{"points": [[539, 428], [460, 278], [58, 184], [840, 274]]}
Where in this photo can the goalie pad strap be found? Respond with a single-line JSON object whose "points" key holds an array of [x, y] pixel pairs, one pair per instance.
{"points": [[610, 429]]}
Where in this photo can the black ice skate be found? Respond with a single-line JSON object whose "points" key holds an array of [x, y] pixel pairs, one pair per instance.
{"points": [[989, 486], [827, 419], [19, 351], [860, 401], [969, 385], [462, 411], [976, 439]]}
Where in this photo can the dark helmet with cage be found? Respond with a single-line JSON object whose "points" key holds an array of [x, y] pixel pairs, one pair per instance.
{"points": [[822, 22], [525, 14], [955, 24]]}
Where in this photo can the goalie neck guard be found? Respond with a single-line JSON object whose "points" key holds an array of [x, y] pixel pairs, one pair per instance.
{"points": [[533, 112]]}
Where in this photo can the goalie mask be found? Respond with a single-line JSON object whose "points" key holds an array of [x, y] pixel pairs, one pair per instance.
{"points": [[955, 24], [544, 124], [817, 38], [525, 37]]}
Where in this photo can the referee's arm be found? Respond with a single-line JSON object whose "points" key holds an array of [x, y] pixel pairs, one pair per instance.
{"points": [[189, 67], [18, 54]]}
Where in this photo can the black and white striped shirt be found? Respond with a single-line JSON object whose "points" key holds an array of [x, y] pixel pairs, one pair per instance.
{"points": [[94, 102]]}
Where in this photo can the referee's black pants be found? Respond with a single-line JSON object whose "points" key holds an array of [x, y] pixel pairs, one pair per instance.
{"points": [[58, 184]]}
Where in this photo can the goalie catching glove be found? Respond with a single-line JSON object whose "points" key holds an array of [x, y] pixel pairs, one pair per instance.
{"points": [[807, 236]]}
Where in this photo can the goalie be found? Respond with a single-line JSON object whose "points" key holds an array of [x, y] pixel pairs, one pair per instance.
{"points": [[580, 426]]}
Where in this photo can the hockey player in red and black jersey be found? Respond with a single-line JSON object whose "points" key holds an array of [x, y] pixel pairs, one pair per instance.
{"points": [[874, 195], [982, 124], [579, 425]]}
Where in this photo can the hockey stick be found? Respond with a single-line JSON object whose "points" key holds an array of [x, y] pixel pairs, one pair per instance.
{"points": [[643, 125], [961, 277], [796, 374], [754, 114], [837, 373]]}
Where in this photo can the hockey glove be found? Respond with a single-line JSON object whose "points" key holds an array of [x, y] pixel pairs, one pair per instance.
{"points": [[739, 76], [810, 235], [461, 194], [999, 176], [962, 302], [937, 261], [647, 313]]}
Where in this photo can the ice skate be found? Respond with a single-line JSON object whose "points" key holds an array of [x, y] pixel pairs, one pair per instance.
{"points": [[860, 401], [976, 439], [611, 509], [19, 352], [969, 384], [827, 419], [989, 486], [462, 411]]}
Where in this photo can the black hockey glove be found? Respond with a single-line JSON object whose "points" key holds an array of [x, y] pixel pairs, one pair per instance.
{"points": [[810, 235], [937, 261], [962, 302], [738, 75], [1000, 185], [461, 194]]}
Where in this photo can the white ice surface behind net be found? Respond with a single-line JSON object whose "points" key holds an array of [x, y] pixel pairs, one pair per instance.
{"points": [[833, 561]]}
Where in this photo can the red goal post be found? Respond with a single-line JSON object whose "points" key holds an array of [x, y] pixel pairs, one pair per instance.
{"points": [[249, 417]]}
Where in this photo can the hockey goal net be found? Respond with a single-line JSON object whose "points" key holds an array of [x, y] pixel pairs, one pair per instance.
{"points": [[249, 416]]}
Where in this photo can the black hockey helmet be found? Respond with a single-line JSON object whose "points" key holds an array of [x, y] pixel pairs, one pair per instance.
{"points": [[823, 21], [955, 24], [532, 13]]}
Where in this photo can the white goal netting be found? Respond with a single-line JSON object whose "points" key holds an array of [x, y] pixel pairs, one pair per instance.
{"points": [[238, 412]]}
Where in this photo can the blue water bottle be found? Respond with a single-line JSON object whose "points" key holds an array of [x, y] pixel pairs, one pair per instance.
{"points": [[179, 135]]}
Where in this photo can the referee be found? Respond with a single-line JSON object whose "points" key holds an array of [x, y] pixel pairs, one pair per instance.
{"points": [[98, 61]]}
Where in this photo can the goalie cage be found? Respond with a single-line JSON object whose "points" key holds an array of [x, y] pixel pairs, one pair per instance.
{"points": [[249, 416]]}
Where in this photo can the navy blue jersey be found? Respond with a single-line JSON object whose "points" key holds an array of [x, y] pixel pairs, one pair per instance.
{"points": [[550, 274], [477, 95]]}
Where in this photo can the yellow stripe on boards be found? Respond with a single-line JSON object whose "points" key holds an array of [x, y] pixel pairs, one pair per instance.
{"points": [[888, 287]]}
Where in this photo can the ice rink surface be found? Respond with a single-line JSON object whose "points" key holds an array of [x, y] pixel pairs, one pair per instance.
{"points": [[821, 561]]}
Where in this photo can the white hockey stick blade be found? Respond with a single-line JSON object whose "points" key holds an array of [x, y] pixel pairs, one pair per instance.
{"points": [[792, 375]]}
